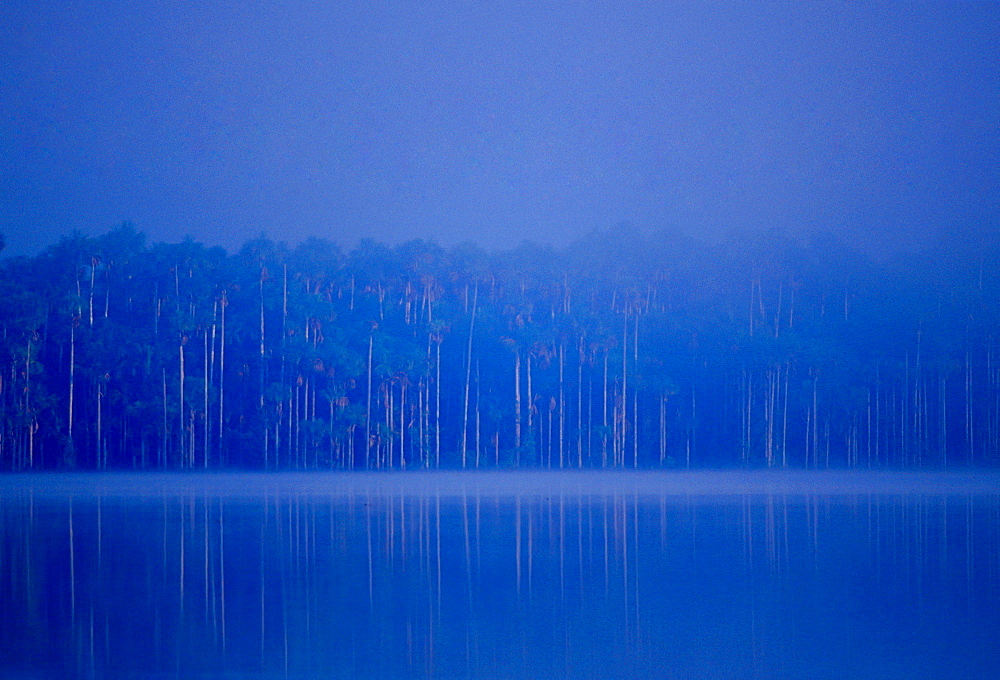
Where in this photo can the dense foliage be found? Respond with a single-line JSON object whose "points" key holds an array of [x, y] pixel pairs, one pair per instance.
{"points": [[618, 351]]}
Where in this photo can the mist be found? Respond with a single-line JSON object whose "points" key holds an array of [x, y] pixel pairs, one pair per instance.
{"points": [[877, 123], [618, 351]]}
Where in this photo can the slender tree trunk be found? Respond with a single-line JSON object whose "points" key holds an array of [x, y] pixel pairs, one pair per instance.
{"points": [[263, 368], [478, 422], [208, 377], [969, 438], [107, 290], [222, 375], [579, 404], [531, 400], [791, 309], [635, 394], [604, 406], [468, 375], [562, 400], [385, 449], [777, 315], [90, 293], [191, 431], [101, 462], [878, 412], [402, 423], [663, 429], [294, 453], [624, 400], [180, 385], [423, 399], [27, 407], [904, 422], [943, 399], [72, 379], [517, 406], [163, 442], [773, 381], [368, 405], [747, 406], [815, 421], [590, 413], [693, 430], [293, 457], [548, 432], [437, 406], [334, 448], [429, 378], [784, 421]]}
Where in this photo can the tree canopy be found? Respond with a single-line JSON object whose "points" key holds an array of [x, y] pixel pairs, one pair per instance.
{"points": [[620, 350]]}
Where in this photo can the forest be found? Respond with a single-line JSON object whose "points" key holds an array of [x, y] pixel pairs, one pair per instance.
{"points": [[621, 350]]}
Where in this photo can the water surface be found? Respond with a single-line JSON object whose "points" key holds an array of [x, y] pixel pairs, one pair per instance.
{"points": [[534, 575]]}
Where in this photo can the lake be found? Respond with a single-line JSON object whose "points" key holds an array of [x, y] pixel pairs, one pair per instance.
{"points": [[500, 575]]}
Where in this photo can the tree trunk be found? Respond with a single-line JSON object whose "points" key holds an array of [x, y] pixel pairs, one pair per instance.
{"points": [[101, 461], [222, 374], [562, 400], [72, 378], [531, 402], [180, 416], [663, 429], [635, 394], [517, 406], [368, 406], [604, 406], [579, 403], [402, 422], [620, 447], [162, 455], [263, 367], [208, 376], [437, 405], [468, 376], [478, 423]]}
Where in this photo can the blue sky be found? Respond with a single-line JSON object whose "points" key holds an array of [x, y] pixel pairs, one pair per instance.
{"points": [[496, 122]]}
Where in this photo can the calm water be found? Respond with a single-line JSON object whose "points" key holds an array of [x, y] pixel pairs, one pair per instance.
{"points": [[533, 575]]}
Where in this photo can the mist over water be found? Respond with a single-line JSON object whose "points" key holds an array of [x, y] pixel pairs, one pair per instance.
{"points": [[506, 484], [540, 575]]}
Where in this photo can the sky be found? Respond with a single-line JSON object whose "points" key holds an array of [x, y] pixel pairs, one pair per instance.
{"points": [[497, 121]]}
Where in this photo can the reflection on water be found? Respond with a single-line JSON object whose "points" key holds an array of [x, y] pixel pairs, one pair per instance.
{"points": [[578, 576]]}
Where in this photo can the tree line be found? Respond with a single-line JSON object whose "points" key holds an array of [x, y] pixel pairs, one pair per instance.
{"points": [[620, 350]]}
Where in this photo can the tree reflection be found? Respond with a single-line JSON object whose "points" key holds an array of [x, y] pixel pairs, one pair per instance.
{"points": [[472, 579]]}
